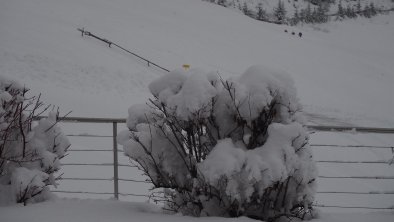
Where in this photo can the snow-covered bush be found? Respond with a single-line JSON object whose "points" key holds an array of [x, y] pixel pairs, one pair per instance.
{"points": [[219, 147], [29, 151]]}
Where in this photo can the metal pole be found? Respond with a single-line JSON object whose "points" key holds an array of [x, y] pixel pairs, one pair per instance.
{"points": [[115, 149]]}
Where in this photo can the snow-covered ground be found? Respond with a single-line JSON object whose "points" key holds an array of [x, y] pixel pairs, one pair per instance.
{"points": [[343, 73], [74, 210]]}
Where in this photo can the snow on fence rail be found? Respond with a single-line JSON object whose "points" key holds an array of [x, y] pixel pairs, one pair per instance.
{"points": [[115, 164]]}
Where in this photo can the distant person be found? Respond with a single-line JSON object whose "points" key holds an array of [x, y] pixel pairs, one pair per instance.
{"points": [[300, 34]]}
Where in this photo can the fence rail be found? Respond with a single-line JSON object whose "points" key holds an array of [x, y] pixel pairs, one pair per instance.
{"points": [[115, 164], [352, 146], [110, 43], [359, 177], [352, 192], [352, 129], [101, 193], [351, 162], [354, 207]]}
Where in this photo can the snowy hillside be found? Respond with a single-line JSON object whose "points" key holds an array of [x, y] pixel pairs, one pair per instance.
{"points": [[292, 5]]}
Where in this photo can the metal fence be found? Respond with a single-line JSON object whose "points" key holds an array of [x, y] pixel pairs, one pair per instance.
{"points": [[115, 163]]}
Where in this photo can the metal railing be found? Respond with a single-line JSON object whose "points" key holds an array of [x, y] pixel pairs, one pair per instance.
{"points": [[351, 129], [110, 43], [115, 163], [114, 150]]}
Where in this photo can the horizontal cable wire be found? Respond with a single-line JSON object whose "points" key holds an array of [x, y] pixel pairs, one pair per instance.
{"points": [[126, 165], [318, 161], [102, 193], [87, 135], [131, 180], [96, 164], [132, 194], [89, 150], [343, 161], [352, 146], [86, 119], [353, 207], [102, 179], [355, 192], [87, 179], [359, 177], [313, 145], [351, 129], [87, 164], [83, 192], [93, 150]]}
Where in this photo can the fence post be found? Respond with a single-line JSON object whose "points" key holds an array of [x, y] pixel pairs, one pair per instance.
{"points": [[115, 149]]}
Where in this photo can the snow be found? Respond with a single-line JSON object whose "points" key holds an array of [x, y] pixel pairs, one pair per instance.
{"points": [[25, 179], [75, 210], [185, 91], [263, 165], [342, 72], [168, 85], [224, 160], [259, 86], [196, 92], [138, 113]]}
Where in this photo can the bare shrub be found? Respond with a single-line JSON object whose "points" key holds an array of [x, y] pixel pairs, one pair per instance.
{"points": [[228, 148]]}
